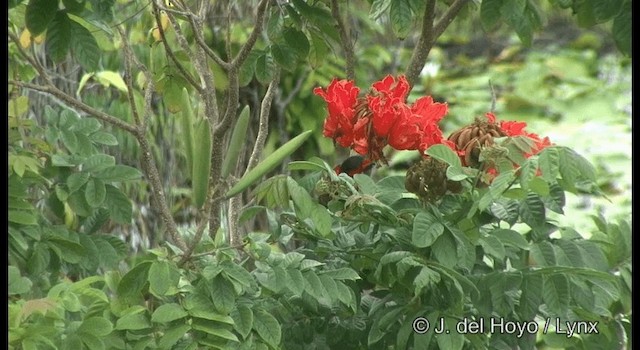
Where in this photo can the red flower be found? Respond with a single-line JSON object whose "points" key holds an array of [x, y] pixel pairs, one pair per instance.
{"points": [[341, 97], [382, 117]]}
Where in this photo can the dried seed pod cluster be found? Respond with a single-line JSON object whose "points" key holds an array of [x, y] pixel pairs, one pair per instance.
{"points": [[427, 178], [472, 138]]}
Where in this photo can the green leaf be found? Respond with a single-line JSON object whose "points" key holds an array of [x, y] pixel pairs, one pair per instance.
{"points": [[539, 186], [456, 173], [621, 29], [543, 254], [237, 142], [517, 17], [95, 163], [265, 68], [206, 314], [506, 210], [267, 164], [314, 286], [247, 69], [39, 14], [532, 211], [267, 328], [97, 326], [95, 193], [341, 274], [168, 312], [425, 278], [604, 10], [426, 230], [490, 13], [555, 293], [511, 238], [59, 34], [401, 18], [104, 138], [222, 294], [450, 340], [549, 163], [22, 217], [68, 251], [132, 322], [92, 341], [284, 56], [493, 246], [103, 9], [298, 41], [318, 50], [531, 296], [378, 7], [118, 173], [213, 329], [243, 320], [295, 281], [444, 251], [162, 277], [172, 335], [134, 280], [444, 154], [528, 172], [17, 283], [119, 205]]}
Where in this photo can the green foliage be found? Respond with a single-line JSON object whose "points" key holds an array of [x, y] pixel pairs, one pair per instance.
{"points": [[338, 262]]}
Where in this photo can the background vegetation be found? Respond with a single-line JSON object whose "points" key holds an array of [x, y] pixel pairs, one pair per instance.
{"points": [[136, 220]]}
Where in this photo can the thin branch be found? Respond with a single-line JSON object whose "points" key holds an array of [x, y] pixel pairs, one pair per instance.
{"points": [[493, 97], [424, 45], [257, 29], [74, 103], [235, 203], [294, 91], [172, 11], [151, 170], [200, 40], [34, 63], [345, 40], [263, 127], [169, 51], [127, 76], [199, 230], [448, 17]]}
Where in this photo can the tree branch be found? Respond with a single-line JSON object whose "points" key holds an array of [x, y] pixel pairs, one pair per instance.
{"points": [[200, 40], [127, 76], [39, 68], [257, 29], [448, 17], [165, 43], [263, 127], [424, 45], [345, 41], [75, 104]]}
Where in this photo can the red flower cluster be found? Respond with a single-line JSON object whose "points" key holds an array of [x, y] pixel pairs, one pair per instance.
{"points": [[514, 128], [382, 117]]}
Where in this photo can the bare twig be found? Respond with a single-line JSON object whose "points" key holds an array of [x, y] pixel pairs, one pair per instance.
{"points": [[74, 103], [448, 17], [493, 97], [424, 45], [345, 41], [200, 40], [172, 56], [257, 29], [39, 68], [263, 127], [127, 76], [428, 36]]}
